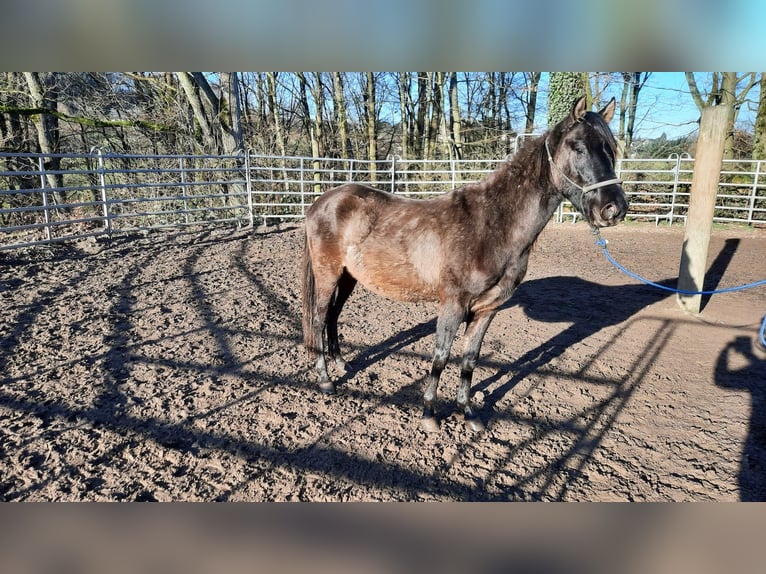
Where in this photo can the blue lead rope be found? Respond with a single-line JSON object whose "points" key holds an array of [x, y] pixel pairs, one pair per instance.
{"points": [[601, 242]]}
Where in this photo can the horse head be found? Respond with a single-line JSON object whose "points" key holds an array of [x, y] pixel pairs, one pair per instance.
{"points": [[581, 150]]}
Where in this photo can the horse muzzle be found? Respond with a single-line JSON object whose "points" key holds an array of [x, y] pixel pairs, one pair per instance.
{"points": [[609, 211]]}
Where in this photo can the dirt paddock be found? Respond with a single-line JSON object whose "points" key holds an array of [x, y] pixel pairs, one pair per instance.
{"points": [[169, 367]]}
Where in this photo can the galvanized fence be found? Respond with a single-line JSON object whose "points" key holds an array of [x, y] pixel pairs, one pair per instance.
{"points": [[59, 197]]}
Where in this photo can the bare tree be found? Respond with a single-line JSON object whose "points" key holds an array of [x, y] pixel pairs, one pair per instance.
{"points": [[315, 123], [406, 113], [219, 118], [533, 81], [759, 130], [371, 117], [632, 84], [339, 107], [456, 129], [421, 114], [437, 132], [44, 96], [274, 108], [726, 89]]}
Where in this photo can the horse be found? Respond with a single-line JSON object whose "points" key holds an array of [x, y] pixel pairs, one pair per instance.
{"points": [[466, 250]]}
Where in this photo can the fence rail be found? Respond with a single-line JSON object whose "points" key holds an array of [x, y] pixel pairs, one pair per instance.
{"points": [[58, 197]]}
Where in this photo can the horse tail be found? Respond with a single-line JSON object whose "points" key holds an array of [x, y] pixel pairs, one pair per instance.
{"points": [[309, 300]]}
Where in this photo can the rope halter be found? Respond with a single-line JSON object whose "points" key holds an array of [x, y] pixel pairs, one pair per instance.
{"points": [[583, 188]]}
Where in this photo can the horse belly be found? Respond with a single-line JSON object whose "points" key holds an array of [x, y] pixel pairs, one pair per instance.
{"points": [[392, 275]]}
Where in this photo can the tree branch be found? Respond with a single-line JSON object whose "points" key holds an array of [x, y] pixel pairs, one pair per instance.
{"points": [[694, 91], [86, 121]]}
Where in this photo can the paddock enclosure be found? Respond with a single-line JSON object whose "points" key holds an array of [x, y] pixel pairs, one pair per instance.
{"points": [[168, 366]]}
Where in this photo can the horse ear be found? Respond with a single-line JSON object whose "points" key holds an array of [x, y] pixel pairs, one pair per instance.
{"points": [[608, 111], [579, 109]]}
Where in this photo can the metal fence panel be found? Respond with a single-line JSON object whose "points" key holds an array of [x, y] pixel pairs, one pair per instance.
{"points": [[58, 197]]}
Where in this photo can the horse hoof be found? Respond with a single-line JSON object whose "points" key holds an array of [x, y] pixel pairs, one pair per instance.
{"points": [[327, 387], [474, 423], [429, 424]]}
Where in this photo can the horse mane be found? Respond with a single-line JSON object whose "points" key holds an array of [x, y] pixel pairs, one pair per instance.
{"points": [[530, 163]]}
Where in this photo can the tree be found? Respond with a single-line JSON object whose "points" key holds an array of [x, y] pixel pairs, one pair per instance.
{"points": [[532, 82], [44, 98], [632, 84], [314, 125], [726, 89], [564, 89], [406, 113], [436, 125], [421, 113], [759, 130], [371, 117], [218, 118], [456, 131], [339, 107]]}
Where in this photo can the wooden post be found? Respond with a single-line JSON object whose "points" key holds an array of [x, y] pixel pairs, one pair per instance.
{"points": [[699, 220]]}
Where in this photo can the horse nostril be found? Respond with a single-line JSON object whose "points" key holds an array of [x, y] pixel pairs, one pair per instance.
{"points": [[609, 211]]}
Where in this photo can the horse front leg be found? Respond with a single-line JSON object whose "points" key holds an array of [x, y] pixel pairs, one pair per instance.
{"points": [[474, 335], [450, 317]]}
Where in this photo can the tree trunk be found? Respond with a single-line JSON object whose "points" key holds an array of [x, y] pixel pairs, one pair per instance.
{"points": [[504, 124], [632, 84], [276, 119], [420, 121], [707, 172], [47, 127], [565, 88], [759, 130], [534, 82], [317, 144], [405, 111], [219, 119], [438, 117], [372, 120], [271, 80], [729, 99], [626, 77], [492, 102], [435, 112], [635, 87], [456, 129], [723, 92], [588, 89], [231, 113], [198, 109], [339, 106]]}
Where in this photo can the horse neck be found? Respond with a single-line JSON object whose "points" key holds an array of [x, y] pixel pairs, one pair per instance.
{"points": [[523, 198]]}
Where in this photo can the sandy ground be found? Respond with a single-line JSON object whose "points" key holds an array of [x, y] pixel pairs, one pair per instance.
{"points": [[169, 367]]}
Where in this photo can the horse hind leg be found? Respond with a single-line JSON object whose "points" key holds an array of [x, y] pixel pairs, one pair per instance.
{"points": [[345, 286], [321, 309], [318, 289]]}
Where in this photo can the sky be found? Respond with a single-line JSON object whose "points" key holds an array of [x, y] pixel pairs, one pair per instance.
{"points": [[665, 106]]}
